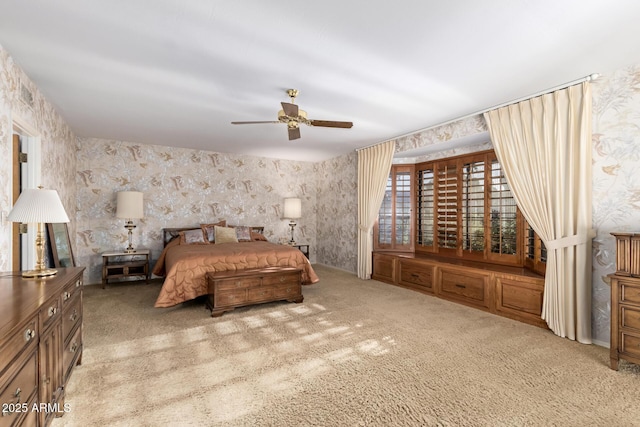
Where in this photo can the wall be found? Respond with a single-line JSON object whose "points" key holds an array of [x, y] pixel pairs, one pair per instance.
{"points": [[616, 180], [183, 187], [337, 208], [57, 145]]}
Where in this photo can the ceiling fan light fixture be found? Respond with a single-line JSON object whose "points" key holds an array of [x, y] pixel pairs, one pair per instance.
{"points": [[292, 116]]}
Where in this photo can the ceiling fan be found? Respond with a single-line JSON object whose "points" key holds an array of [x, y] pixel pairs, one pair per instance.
{"points": [[293, 116]]}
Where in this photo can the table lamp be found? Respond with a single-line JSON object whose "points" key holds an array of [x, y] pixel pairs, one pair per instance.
{"points": [[37, 205]]}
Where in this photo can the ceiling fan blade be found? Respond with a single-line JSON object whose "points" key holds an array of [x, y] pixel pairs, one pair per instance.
{"points": [[294, 133], [290, 110], [251, 123], [331, 124]]}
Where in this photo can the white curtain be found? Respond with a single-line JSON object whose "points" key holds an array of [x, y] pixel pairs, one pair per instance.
{"points": [[544, 147], [374, 165]]}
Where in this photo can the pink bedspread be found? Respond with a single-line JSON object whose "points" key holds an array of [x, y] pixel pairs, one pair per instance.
{"points": [[186, 266]]}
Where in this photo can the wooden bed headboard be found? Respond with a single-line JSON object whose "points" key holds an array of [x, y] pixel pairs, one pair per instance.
{"points": [[168, 234]]}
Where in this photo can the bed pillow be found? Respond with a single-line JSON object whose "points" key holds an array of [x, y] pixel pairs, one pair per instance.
{"points": [[225, 235], [257, 237], [192, 237], [209, 231], [243, 233]]}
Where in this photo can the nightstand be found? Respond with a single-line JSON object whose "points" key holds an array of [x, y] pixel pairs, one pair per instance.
{"points": [[116, 265], [303, 247]]}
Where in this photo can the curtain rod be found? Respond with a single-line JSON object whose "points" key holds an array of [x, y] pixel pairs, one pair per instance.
{"points": [[590, 77]]}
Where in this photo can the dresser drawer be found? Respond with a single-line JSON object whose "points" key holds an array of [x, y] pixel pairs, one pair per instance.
{"points": [[293, 277], [18, 342], [630, 318], [70, 354], [239, 283], [287, 290], [230, 297], [49, 312], [74, 288], [629, 293], [465, 286], [71, 316], [18, 389], [630, 344], [260, 293], [416, 275]]}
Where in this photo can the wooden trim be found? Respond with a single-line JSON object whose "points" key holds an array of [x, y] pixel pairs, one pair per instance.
{"points": [[15, 239]]}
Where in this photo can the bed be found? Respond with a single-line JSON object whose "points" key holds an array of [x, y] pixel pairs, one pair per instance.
{"points": [[187, 258]]}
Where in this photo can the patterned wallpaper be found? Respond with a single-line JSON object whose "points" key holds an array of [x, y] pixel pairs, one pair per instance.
{"points": [[183, 187], [57, 145], [337, 208], [616, 181]]}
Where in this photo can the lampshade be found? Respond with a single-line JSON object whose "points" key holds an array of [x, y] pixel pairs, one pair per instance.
{"points": [[37, 205], [292, 208], [129, 204]]}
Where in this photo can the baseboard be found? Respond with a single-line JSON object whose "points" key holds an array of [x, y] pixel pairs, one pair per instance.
{"points": [[335, 268], [601, 343]]}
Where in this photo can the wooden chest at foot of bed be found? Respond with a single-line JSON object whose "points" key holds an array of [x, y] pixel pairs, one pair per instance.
{"points": [[231, 289]]}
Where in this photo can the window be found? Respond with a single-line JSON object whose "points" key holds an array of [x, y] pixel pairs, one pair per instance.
{"points": [[535, 251], [475, 213], [504, 216], [447, 206], [395, 218], [425, 201], [473, 188], [464, 209]]}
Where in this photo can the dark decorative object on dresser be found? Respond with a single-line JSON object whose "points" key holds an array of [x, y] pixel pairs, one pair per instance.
{"points": [[60, 245], [41, 342], [625, 300]]}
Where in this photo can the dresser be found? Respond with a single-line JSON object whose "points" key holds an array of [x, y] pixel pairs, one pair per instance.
{"points": [[40, 344], [625, 300]]}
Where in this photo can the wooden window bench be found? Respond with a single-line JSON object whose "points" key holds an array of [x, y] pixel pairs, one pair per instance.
{"points": [[512, 292]]}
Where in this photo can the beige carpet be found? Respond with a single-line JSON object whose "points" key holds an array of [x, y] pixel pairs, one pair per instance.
{"points": [[354, 353]]}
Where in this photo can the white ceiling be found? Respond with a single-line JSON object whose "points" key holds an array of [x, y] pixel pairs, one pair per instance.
{"points": [[177, 72]]}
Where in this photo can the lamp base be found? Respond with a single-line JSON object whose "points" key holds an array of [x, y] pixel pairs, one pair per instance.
{"points": [[39, 273]]}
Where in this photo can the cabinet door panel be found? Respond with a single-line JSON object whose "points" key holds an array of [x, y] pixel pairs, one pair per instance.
{"points": [[465, 286], [416, 275]]}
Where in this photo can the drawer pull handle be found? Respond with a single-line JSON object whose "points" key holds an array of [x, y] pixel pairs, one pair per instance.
{"points": [[78, 283], [5, 408], [29, 334], [66, 296], [52, 311], [458, 285], [74, 315], [73, 347]]}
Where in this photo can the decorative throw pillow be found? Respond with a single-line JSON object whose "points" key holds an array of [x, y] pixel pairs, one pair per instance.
{"points": [[209, 231], [193, 237], [256, 237], [225, 235], [243, 233]]}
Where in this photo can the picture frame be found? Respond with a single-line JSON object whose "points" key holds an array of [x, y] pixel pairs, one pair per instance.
{"points": [[60, 245]]}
